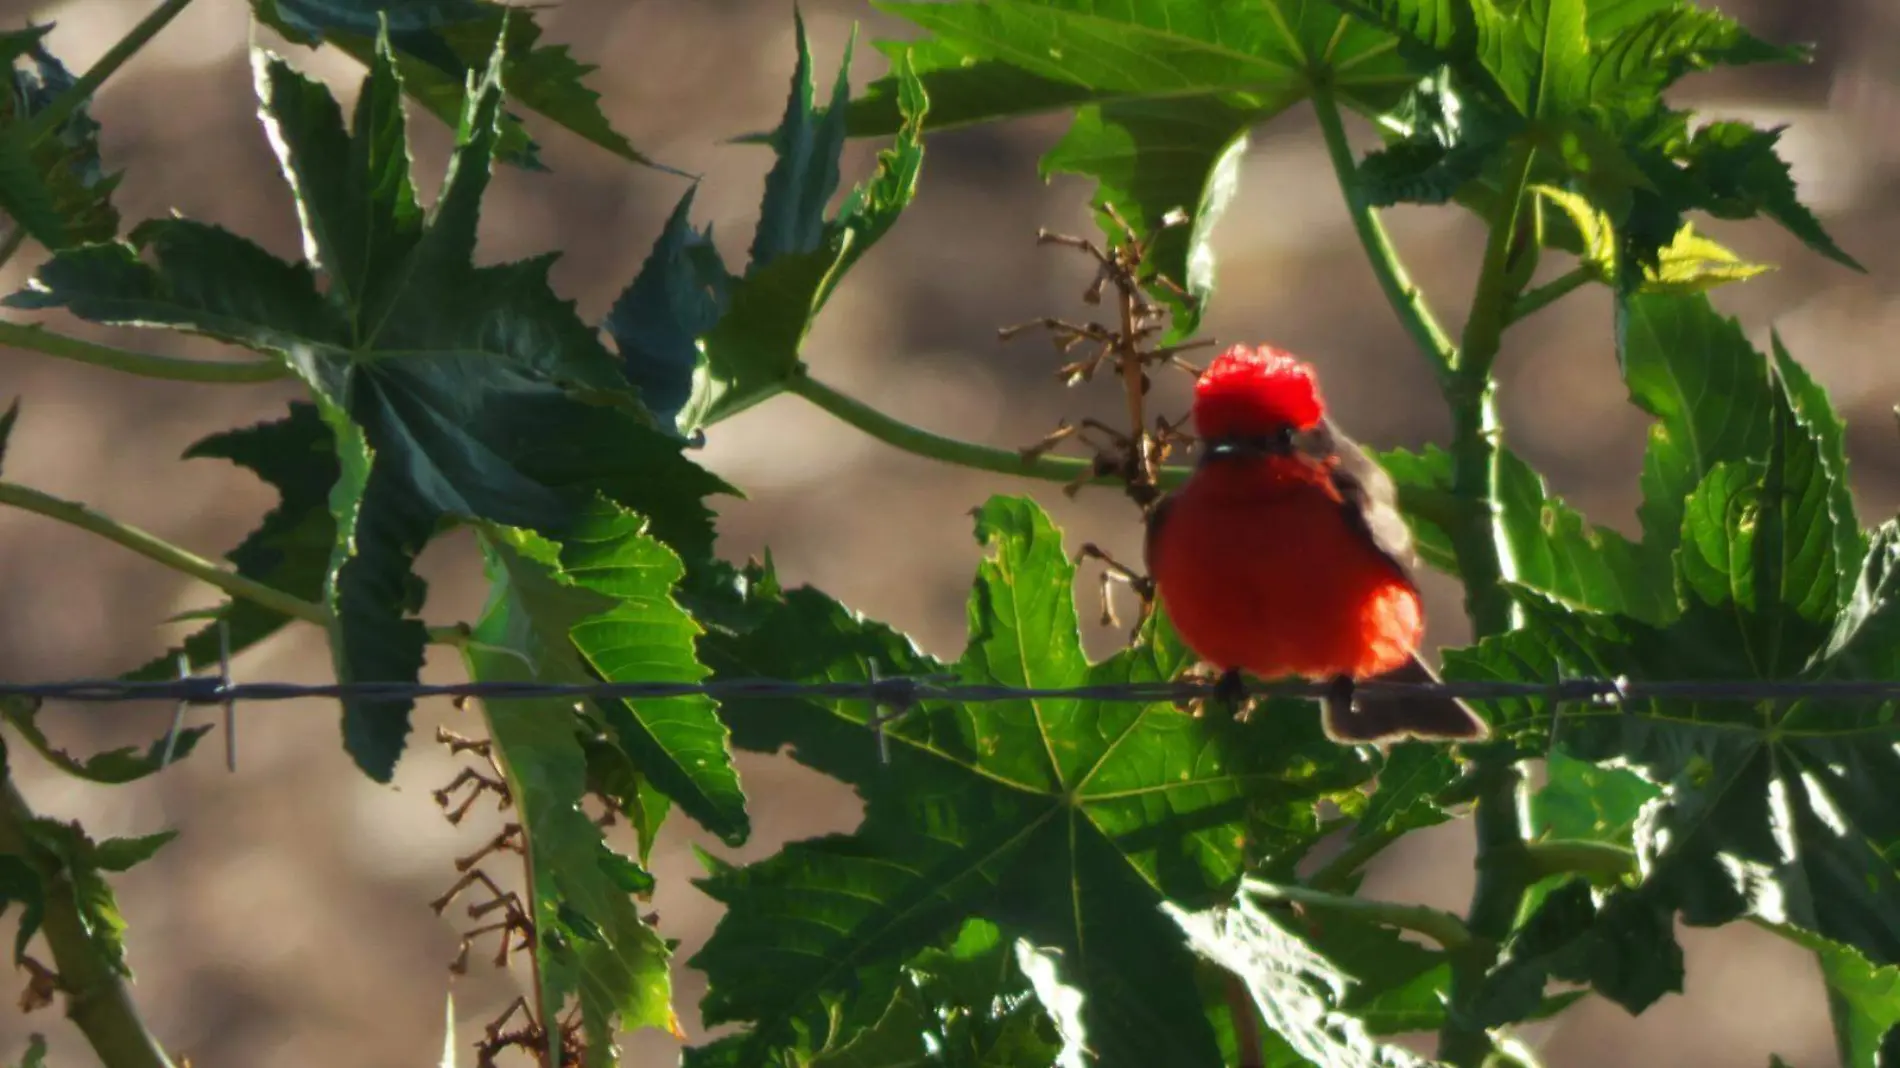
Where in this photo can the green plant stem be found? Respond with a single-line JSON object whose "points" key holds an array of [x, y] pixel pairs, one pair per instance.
{"points": [[1404, 296], [1504, 870], [81, 91], [1599, 860], [97, 1001], [157, 549], [238, 372], [186, 562], [1550, 293], [922, 442], [1436, 924]]}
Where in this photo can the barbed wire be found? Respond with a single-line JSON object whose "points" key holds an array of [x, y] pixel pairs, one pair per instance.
{"points": [[901, 691]]}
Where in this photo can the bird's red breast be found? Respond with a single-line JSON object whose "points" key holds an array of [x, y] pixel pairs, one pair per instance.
{"points": [[1262, 562], [1260, 569]]}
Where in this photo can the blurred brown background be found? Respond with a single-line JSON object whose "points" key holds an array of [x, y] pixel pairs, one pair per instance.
{"points": [[288, 924]]}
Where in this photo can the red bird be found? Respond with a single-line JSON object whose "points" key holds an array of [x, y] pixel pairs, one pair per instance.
{"points": [[1285, 554]]}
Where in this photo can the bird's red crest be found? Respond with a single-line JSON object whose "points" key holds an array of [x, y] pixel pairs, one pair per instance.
{"points": [[1254, 390]]}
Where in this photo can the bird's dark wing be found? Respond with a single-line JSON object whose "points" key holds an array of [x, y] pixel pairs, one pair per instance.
{"points": [[1369, 497]]}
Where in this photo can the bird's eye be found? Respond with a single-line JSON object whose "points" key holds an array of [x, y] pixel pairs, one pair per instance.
{"points": [[1284, 438]]}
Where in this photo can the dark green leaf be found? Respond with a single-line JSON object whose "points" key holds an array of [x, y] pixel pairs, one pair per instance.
{"points": [[678, 296], [439, 378], [591, 940], [51, 182], [1623, 946], [1735, 173], [1298, 991], [441, 45], [1394, 985], [1412, 775], [1063, 821], [1557, 551], [1166, 91], [20, 884], [807, 145], [113, 767], [289, 551], [754, 350]]}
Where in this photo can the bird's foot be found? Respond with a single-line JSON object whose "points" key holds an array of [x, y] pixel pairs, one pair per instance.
{"points": [[1343, 692], [1231, 690]]}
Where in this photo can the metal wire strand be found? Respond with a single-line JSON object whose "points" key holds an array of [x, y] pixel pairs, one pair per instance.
{"points": [[906, 691]]}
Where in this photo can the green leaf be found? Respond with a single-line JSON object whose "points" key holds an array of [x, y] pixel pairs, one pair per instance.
{"points": [[52, 184], [289, 550], [1153, 157], [679, 295], [1623, 946], [20, 884], [965, 1005], [1558, 552], [442, 45], [1734, 173], [591, 941], [1165, 92], [35, 1055], [1864, 1000], [1716, 402], [1409, 780], [112, 767], [641, 634], [1298, 991], [798, 257], [1765, 808], [438, 378], [1581, 801], [80, 863], [807, 145], [1065, 822], [1394, 985]]}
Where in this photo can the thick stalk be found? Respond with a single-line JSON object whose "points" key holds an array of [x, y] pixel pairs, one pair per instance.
{"points": [[158, 549], [1400, 292], [88, 83], [1504, 871], [1436, 924], [97, 1001], [922, 442], [237, 372]]}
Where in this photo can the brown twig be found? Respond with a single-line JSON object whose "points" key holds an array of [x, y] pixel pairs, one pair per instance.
{"points": [[1133, 456]]}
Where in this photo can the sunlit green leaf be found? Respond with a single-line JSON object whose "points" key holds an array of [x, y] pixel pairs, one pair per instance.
{"points": [[1001, 810]]}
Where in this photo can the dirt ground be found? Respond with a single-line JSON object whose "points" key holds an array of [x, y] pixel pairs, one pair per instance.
{"points": [[288, 925]]}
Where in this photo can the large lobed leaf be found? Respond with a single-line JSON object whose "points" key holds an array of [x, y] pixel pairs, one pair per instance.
{"points": [[1164, 93], [440, 46], [438, 379], [590, 939], [1065, 822], [1763, 808]]}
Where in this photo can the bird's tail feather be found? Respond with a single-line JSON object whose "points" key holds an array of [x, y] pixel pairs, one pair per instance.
{"points": [[1363, 718]]}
